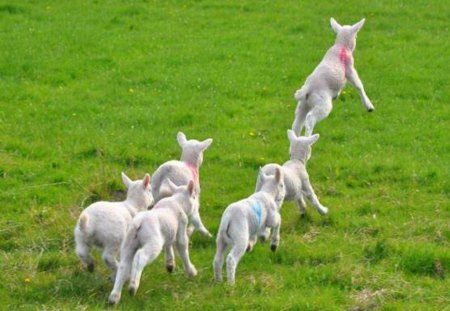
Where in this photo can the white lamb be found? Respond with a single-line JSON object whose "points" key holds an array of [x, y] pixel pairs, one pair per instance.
{"points": [[243, 221], [181, 172], [328, 79], [152, 231], [104, 224], [296, 178]]}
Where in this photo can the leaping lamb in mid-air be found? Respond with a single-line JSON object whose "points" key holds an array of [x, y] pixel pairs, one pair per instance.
{"points": [[328, 79]]}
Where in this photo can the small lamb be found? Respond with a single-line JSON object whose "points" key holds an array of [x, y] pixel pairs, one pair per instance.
{"points": [[152, 231], [328, 79], [104, 224], [181, 172], [243, 221], [296, 178]]}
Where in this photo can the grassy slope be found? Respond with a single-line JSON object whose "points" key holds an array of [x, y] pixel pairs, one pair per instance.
{"points": [[89, 89]]}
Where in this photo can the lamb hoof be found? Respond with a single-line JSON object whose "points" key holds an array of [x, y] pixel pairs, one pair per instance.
{"points": [[273, 247], [323, 211], [169, 268], [90, 267], [262, 238], [370, 109], [113, 299], [192, 272], [132, 290]]}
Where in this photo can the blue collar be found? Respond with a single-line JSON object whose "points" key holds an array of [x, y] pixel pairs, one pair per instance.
{"points": [[256, 207]]}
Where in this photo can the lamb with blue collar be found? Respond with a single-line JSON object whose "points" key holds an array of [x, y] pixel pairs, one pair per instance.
{"points": [[243, 221]]}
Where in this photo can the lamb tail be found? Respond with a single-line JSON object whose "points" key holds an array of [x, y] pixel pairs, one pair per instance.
{"points": [[83, 222], [223, 231], [301, 94]]}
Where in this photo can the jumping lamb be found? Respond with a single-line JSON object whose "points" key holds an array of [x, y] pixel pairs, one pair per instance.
{"points": [[243, 221], [152, 231], [296, 178], [104, 224], [328, 79], [181, 172]]}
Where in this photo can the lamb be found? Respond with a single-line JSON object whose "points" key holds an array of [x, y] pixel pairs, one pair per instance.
{"points": [[296, 178], [328, 79], [181, 172], [152, 231], [104, 224], [244, 220]]}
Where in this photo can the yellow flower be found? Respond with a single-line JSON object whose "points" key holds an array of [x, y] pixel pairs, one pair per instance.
{"points": [[27, 280], [131, 90], [252, 134]]}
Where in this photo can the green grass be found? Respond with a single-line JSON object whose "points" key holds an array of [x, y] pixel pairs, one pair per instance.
{"points": [[93, 88]]}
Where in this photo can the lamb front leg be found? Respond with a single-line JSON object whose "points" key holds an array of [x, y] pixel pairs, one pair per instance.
{"points": [[310, 194], [353, 78], [197, 223], [301, 204], [182, 243]]}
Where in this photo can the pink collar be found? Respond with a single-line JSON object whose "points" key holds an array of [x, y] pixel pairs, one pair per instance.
{"points": [[344, 57], [194, 172]]}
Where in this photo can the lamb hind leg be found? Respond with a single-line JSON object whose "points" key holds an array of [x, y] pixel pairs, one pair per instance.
{"points": [[233, 258], [301, 204], [170, 258], [83, 252], [122, 275], [300, 115], [322, 106], [218, 259], [143, 257]]}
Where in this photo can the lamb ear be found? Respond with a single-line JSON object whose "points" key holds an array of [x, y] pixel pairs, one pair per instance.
{"points": [[335, 25], [146, 181], [356, 27], [206, 143], [313, 138], [278, 174], [127, 181], [181, 138], [291, 135], [191, 187], [262, 176]]}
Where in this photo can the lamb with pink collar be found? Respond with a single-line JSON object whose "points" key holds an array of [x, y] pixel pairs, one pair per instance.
{"points": [[328, 79], [180, 173]]}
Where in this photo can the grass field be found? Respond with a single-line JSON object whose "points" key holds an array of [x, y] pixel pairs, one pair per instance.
{"points": [[92, 88]]}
